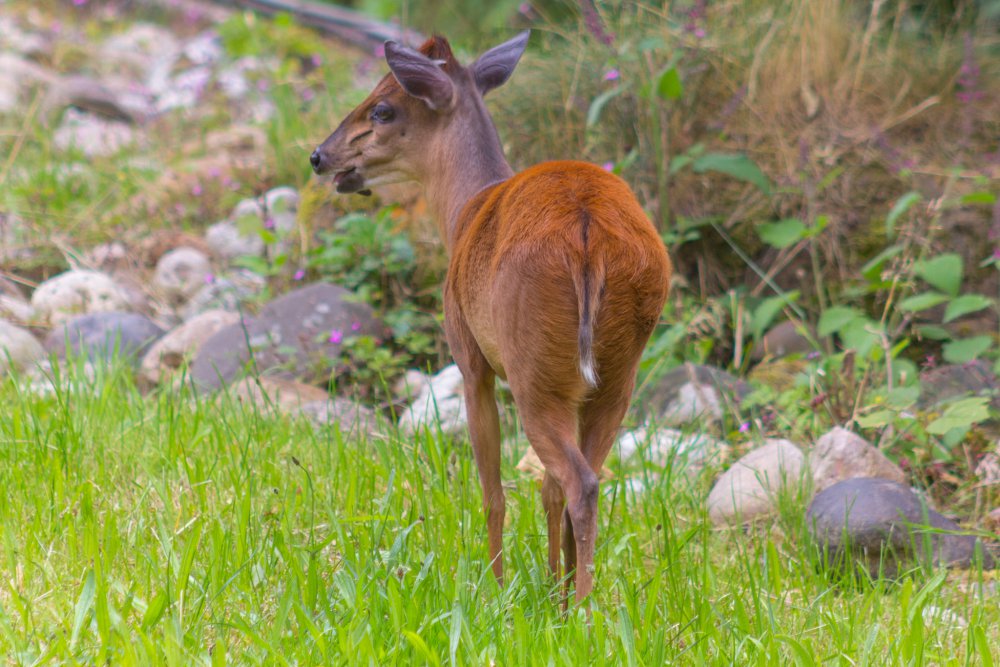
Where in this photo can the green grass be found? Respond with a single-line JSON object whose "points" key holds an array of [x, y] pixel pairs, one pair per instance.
{"points": [[162, 530]]}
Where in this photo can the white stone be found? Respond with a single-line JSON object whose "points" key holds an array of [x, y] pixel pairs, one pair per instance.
{"points": [[92, 135], [18, 348], [749, 488], [181, 344], [694, 402], [75, 293], [440, 402], [661, 446], [181, 272]]}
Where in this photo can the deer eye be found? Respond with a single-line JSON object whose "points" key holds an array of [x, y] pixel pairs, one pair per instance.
{"points": [[382, 113]]}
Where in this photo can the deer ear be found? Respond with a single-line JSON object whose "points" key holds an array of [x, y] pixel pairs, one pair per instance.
{"points": [[494, 67], [420, 76]]}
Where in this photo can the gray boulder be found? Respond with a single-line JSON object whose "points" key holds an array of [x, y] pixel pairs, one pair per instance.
{"points": [[886, 527], [74, 293], [104, 335], [299, 335]]}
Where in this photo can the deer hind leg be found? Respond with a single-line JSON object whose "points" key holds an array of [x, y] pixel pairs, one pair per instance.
{"points": [[552, 431]]}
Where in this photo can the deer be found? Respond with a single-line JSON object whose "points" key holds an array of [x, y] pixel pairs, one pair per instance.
{"points": [[555, 281]]}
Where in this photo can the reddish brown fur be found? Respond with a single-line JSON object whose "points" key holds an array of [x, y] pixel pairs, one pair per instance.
{"points": [[544, 263]]}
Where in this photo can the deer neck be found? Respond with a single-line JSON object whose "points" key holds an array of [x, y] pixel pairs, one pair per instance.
{"points": [[468, 158]]}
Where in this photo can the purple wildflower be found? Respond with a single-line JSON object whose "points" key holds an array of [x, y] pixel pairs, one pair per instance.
{"points": [[209, 278], [263, 85], [196, 190], [355, 326], [316, 60], [268, 222], [79, 3], [696, 19], [299, 275], [612, 75], [336, 336], [308, 95], [745, 427], [608, 166]]}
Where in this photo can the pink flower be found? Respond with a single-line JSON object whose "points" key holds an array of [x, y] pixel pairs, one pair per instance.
{"points": [[79, 3], [214, 172], [608, 166], [336, 336], [308, 95], [316, 60], [262, 85], [209, 278], [299, 275], [355, 326], [269, 223], [612, 75], [745, 427], [196, 190]]}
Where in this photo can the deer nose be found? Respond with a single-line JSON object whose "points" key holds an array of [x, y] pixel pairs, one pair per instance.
{"points": [[316, 160]]}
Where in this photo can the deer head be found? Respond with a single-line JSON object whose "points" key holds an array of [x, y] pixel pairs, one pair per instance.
{"points": [[419, 115]]}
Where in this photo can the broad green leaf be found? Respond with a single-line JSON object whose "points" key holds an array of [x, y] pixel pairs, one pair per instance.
{"points": [[961, 414], [919, 302], [903, 397], [668, 85], [597, 106], [836, 318], [876, 419], [783, 233], [932, 332], [965, 304], [902, 205], [966, 349], [943, 272], [862, 335], [768, 309], [736, 165]]}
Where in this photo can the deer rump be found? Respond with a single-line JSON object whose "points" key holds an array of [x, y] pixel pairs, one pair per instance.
{"points": [[557, 267]]}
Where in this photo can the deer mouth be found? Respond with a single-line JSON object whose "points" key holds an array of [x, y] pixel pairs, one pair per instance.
{"points": [[350, 180]]}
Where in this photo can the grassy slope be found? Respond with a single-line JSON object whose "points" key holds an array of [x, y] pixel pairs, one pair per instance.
{"points": [[163, 531]]}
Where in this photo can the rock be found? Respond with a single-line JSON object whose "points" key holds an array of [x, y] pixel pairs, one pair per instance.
{"points": [[180, 345], [694, 394], [782, 340], [272, 393], [230, 292], [180, 273], [16, 310], [184, 90], [92, 135], [204, 49], [441, 402], [749, 489], [532, 466], [108, 257], [664, 446], [240, 234], [885, 526], [74, 293], [17, 76], [18, 348], [103, 336], [298, 335], [840, 455], [142, 50], [988, 469], [350, 417], [99, 98], [410, 385], [951, 381]]}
